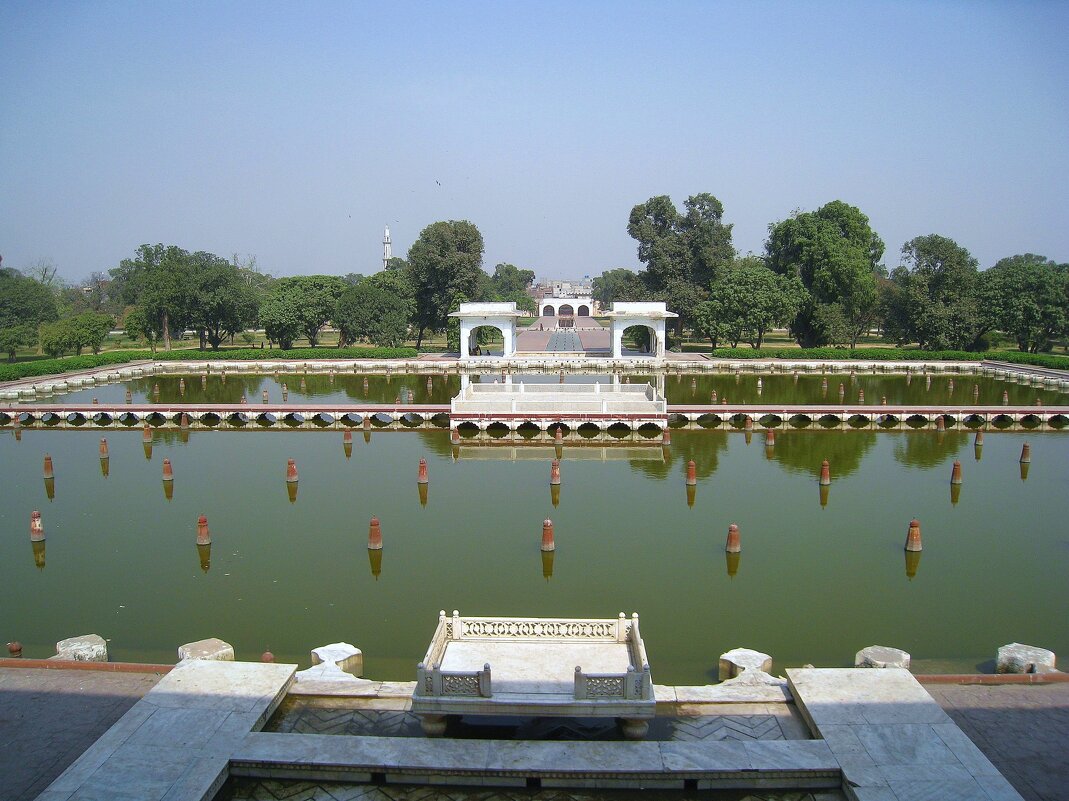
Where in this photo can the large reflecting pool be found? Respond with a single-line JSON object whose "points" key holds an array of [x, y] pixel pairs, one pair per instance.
{"points": [[815, 581], [869, 389]]}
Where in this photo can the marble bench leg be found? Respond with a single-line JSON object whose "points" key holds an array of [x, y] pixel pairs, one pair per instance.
{"points": [[432, 725], [634, 728]]}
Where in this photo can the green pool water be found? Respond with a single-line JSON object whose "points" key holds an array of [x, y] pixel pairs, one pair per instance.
{"points": [[814, 582]]}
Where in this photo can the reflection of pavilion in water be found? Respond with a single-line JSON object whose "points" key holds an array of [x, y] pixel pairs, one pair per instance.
{"points": [[601, 451]]}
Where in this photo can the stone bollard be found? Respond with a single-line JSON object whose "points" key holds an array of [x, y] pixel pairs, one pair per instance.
{"points": [[156, 390], [548, 543], [558, 435], [421, 476], [770, 438], [37, 528], [913, 538], [940, 423], [48, 468], [14, 648], [554, 472], [1026, 454], [955, 473], [1005, 397], [204, 537], [1019, 658], [712, 397], [860, 396], [129, 396], [881, 656], [692, 474], [734, 543], [825, 474], [267, 657], [264, 395], [209, 650], [146, 435], [291, 471], [666, 437], [183, 421], [738, 660], [85, 648], [374, 535], [748, 424], [103, 448], [168, 472]]}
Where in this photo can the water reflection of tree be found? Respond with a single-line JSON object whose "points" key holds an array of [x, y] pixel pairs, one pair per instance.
{"points": [[435, 441], [703, 447], [214, 390], [929, 448], [803, 451]]}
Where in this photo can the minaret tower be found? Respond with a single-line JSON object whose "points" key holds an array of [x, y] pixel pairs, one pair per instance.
{"points": [[387, 248]]}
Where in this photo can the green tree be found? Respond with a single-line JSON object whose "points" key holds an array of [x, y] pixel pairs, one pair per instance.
{"points": [[138, 324], [24, 304], [445, 263], [314, 298], [368, 311], [13, 337], [159, 279], [836, 255], [750, 299], [508, 279], [85, 330], [619, 284], [1027, 296], [932, 298], [280, 315], [684, 252], [222, 302]]}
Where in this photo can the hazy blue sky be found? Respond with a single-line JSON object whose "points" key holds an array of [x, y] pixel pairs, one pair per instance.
{"points": [[295, 131]]}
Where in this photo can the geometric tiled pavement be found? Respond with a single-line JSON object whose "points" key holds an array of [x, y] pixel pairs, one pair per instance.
{"points": [[366, 722], [265, 790]]}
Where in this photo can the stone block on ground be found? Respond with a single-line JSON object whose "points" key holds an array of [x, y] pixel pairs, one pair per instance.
{"points": [[737, 660], [211, 649], [1019, 658], [338, 661], [85, 648], [881, 656]]}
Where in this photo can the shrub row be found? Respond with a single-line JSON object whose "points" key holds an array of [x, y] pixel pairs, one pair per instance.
{"points": [[70, 364], [892, 354]]}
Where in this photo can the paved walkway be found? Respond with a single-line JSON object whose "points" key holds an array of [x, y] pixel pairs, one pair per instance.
{"points": [[1023, 730], [49, 717]]}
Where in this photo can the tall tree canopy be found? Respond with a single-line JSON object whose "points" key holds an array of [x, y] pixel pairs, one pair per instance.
{"points": [[932, 298], [222, 302], [159, 279], [24, 305], [618, 284], [748, 300], [836, 255], [684, 252], [369, 311], [1027, 296], [300, 305], [508, 279], [445, 262]]}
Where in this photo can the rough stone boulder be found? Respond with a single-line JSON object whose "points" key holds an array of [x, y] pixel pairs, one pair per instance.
{"points": [[881, 656], [86, 648], [338, 661], [738, 660], [211, 649], [1018, 658]]}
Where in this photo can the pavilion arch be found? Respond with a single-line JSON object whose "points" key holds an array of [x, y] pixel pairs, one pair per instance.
{"points": [[549, 311], [651, 315], [566, 310], [474, 316], [582, 311]]}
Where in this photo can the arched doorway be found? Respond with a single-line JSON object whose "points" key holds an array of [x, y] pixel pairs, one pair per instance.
{"points": [[548, 311], [583, 311], [566, 310], [639, 338], [486, 340]]}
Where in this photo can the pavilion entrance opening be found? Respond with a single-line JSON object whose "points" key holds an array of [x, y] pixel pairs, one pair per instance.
{"points": [[639, 338], [486, 340]]}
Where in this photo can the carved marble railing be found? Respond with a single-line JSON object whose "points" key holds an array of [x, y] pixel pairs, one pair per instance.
{"points": [[635, 684]]}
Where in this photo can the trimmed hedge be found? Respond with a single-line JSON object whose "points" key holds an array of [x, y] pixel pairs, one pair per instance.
{"points": [[13, 372], [892, 354]]}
